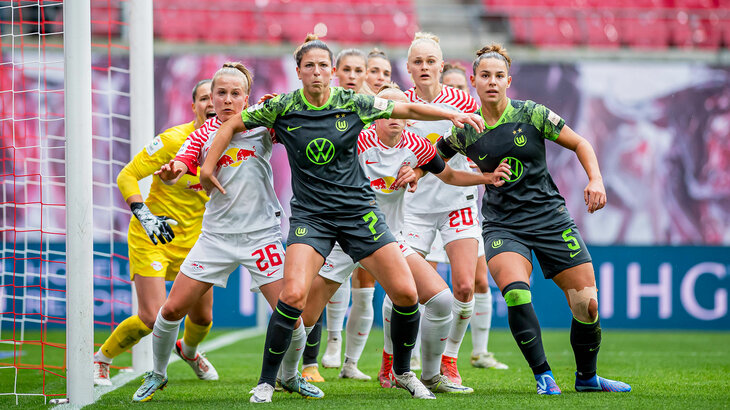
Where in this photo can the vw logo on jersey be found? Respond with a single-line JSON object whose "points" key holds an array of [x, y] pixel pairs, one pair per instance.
{"points": [[515, 166], [496, 244], [320, 151], [341, 123], [520, 139], [300, 231]]}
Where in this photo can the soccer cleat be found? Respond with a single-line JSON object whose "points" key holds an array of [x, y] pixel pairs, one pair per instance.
{"points": [[262, 393], [297, 384], [598, 383], [415, 362], [546, 384], [101, 374], [350, 371], [487, 361], [151, 382], [410, 382], [332, 354], [448, 369], [311, 374], [385, 375], [200, 364], [442, 384]]}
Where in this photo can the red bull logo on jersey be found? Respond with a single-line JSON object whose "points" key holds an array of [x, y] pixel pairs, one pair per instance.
{"points": [[233, 157], [195, 187], [433, 137], [197, 267], [385, 185], [328, 266]]}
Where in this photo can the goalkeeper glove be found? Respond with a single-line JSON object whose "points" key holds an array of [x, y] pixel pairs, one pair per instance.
{"points": [[154, 225]]}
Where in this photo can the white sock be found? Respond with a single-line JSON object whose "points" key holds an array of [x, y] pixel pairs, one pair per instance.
{"points": [[101, 357], [359, 323], [164, 335], [290, 362], [387, 312], [462, 312], [416, 352], [336, 310], [189, 351], [481, 322], [435, 326]]}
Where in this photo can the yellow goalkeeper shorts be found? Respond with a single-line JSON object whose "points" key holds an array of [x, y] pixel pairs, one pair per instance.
{"points": [[155, 261]]}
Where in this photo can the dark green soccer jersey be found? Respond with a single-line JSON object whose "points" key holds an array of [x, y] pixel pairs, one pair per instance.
{"points": [[529, 199], [321, 143]]}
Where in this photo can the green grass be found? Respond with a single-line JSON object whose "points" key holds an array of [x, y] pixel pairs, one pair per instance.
{"points": [[666, 369]]}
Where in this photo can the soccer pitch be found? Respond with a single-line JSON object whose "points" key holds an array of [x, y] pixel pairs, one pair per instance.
{"points": [[665, 369]]}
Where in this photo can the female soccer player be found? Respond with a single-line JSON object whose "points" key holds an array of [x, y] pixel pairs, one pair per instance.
{"points": [[152, 264], [350, 71], [332, 201], [527, 214], [454, 75], [378, 72], [437, 207], [241, 228]]}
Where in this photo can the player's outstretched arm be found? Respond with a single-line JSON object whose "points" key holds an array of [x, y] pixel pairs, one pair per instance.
{"points": [[171, 172], [427, 112], [466, 178], [220, 142], [594, 193]]}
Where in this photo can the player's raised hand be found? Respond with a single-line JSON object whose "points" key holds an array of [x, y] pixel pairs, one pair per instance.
{"points": [[500, 175], [171, 171], [595, 195], [462, 119], [156, 227]]}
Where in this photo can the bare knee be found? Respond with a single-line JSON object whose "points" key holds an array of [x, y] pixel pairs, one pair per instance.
{"points": [[148, 317], [584, 304], [463, 291], [172, 312], [293, 297], [404, 297]]}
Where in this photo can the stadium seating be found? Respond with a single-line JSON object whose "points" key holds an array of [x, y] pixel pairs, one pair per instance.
{"points": [[641, 24], [228, 21]]}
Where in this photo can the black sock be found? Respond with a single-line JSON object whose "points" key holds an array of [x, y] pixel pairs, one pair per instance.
{"points": [[586, 340], [278, 337], [311, 350], [403, 331], [524, 325]]}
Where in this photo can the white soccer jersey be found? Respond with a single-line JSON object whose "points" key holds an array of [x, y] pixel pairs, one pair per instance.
{"points": [[250, 203], [381, 165], [432, 194]]}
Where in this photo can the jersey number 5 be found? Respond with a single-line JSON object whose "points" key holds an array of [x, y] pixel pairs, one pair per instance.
{"points": [[267, 255], [572, 242]]}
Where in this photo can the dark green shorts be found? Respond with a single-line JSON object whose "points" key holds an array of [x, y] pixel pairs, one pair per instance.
{"points": [[556, 249], [359, 234]]}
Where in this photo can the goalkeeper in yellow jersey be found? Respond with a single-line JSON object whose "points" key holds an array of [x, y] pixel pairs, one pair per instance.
{"points": [[164, 228]]}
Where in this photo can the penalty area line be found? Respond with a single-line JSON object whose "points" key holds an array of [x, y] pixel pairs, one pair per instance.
{"points": [[123, 378]]}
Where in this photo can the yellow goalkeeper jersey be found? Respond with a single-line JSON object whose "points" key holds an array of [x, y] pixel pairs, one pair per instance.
{"points": [[183, 202]]}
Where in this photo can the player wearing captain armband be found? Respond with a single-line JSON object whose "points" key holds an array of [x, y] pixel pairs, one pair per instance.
{"points": [[164, 228], [527, 214]]}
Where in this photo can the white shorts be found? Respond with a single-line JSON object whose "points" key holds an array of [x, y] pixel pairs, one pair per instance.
{"points": [[420, 229], [215, 256], [339, 266], [438, 252]]}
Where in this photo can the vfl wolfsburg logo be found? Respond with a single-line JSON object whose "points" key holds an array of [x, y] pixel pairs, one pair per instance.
{"points": [[496, 244], [320, 151], [520, 139], [341, 123], [300, 231], [515, 166]]}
